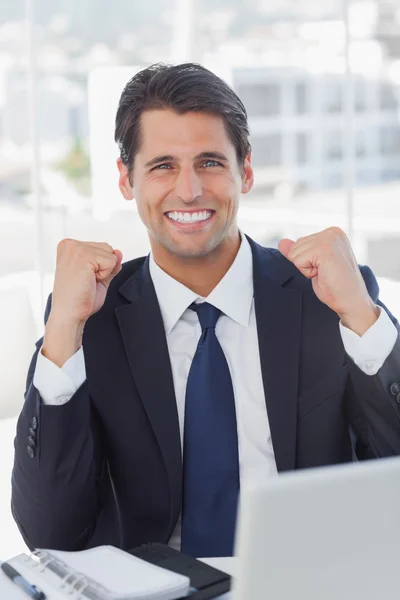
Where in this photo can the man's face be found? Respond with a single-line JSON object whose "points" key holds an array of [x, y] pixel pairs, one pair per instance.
{"points": [[187, 182]]}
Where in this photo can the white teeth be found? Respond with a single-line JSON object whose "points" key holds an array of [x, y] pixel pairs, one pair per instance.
{"points": [[189, 217]]}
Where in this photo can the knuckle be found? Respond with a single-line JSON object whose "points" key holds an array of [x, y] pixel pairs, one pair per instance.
{"points": [[68, 247], [64, 244], [105, 246], [336, 231], [106, 262]]}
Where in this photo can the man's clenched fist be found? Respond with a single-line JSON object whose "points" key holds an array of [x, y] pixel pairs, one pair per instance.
{"points": [[328, 260], [84, 271]]}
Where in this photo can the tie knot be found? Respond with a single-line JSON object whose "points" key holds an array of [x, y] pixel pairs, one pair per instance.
{"points": [[207, 313]]}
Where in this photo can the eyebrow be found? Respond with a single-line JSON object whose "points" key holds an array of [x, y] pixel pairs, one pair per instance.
{"points": [[202, 156]]}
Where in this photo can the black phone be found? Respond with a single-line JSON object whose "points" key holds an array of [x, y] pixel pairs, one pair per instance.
{"points": [[207, 582]]}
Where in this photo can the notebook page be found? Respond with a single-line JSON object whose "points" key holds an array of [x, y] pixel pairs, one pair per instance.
{"points": [[9, 590], [24, 565], [125, 575]]}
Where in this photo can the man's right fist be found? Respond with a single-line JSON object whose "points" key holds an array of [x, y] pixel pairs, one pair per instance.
{"points": [[84, 271]]}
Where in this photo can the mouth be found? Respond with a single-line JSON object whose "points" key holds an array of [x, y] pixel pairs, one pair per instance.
{"points": [[190, 220]]}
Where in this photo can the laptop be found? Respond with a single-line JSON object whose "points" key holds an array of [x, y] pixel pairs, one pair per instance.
{"points": [[321, 534]]}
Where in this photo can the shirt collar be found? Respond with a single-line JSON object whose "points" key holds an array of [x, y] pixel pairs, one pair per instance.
{"points": [[233, 295]]}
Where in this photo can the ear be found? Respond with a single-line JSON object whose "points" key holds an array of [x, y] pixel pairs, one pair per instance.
{"points": [[124, 183], [248, 175]]}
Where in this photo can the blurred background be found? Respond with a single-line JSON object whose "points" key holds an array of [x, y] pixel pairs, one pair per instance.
{"points": [[321, 83]]}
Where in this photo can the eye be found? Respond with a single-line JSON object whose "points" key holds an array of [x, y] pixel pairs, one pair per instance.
{"points": [[161, 167], [211, 163]]}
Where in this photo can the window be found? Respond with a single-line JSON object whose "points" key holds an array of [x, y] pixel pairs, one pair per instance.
{"points": [[302, 98], [361, 143], [360, 96], [267, 150], [302, 148], [333, 97], [261, 99], [333, 145], [387, 97], [390, 141]]}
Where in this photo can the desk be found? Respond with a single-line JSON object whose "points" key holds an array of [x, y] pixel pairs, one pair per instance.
{"points": [[228, 565], [224, 564]]}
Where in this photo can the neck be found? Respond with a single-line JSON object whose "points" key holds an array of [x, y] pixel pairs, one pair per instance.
{"points": [[201, 275]]}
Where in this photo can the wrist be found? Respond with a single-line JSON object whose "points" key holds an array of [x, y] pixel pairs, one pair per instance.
{"points": [[362, 319], [60, 318], [62, 339]]}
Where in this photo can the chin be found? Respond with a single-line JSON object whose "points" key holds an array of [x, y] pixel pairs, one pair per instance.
{"points": [[191, 250]]}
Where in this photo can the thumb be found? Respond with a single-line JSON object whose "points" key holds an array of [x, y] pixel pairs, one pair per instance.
{"points": [[115, 270], [285, 246], [118, 254]]}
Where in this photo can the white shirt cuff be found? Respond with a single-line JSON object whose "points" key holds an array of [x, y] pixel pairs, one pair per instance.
{"points": [[56, 386], [370, 351]]}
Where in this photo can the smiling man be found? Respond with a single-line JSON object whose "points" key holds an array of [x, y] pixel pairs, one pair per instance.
{"points": [[165, 383]]}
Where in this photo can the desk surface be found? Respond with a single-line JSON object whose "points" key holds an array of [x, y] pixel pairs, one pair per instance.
{"points": [[223, 564]]}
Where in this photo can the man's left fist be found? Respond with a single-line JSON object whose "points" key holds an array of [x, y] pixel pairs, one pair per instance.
{"points": [[328, 260]]}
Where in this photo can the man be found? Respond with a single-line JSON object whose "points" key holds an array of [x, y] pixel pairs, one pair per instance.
{"points": [[164, 384]]}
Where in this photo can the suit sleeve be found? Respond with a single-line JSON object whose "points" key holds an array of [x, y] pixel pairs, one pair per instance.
{"points": [[373, 402], [58, 464], [370, 350], [57, 385]]}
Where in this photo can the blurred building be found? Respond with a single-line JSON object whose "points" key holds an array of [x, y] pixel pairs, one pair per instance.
{"points": [[297, 126], [388, 25], [62, 114]]}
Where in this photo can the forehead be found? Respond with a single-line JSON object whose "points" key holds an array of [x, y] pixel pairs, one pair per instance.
{"points": [[166, 132]]}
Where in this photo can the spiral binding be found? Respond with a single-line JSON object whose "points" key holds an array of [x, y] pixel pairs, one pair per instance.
{"points": [[73, 584]]}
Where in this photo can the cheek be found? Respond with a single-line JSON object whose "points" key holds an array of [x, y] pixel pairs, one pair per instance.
{"points": [[224, 188], [149, 198], [228, 195]]}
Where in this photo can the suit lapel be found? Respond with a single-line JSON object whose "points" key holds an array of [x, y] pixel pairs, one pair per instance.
{"points": [[143, 335], [278, 315]]}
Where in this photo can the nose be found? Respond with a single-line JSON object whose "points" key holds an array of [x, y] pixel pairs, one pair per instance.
{"points": [[188, 186]]}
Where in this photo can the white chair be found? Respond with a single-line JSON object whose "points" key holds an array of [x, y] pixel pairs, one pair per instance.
{"points": [[11, 542], [18, 334], [17, 338]]}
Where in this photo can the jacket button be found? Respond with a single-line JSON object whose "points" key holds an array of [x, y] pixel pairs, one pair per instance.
{"points": [[32, 441], [35, 423], [31, 451], [395, 389]]}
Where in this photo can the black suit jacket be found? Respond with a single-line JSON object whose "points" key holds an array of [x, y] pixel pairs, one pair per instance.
{"points": [[106, 466]]}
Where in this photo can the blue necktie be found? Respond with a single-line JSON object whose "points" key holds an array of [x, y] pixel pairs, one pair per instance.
{"points": [[210, 448]]}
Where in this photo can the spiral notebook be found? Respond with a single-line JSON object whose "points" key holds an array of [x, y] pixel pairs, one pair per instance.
{"points": [[103, 573]]}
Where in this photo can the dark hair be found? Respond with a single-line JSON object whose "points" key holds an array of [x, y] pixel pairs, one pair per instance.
{"points": [[182, 88]]}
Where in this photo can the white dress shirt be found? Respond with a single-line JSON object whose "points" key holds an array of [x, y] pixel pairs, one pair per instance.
{"points": [[237, 333]]}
